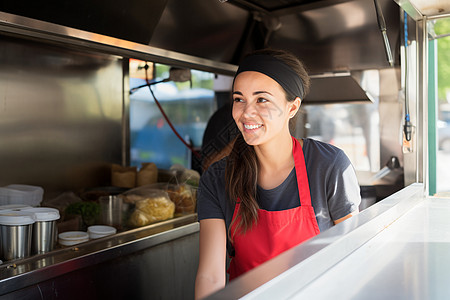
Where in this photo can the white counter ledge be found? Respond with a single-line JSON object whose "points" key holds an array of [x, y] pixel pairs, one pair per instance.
{"points": [[397, 249]]}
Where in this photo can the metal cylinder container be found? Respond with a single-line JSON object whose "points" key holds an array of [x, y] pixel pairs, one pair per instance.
{"points": [[44, 237], [111, 211], [44, 230], [15, 233]]}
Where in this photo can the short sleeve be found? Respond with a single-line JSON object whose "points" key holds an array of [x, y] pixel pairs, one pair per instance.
{"points": [[208, 197], [343, 192]]}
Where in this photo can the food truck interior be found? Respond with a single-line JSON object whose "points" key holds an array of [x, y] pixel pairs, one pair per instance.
{"points": [[101, 99]]}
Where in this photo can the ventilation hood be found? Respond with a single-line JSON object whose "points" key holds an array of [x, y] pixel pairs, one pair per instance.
{"points": [[132, 20], [343, 87], [330, 36]]}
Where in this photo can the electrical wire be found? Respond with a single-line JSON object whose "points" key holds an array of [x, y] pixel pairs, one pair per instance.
{"points": [[149, 84], [407, 127]]}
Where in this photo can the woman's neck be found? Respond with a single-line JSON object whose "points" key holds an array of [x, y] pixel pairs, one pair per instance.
{"points": [[275, 161]]}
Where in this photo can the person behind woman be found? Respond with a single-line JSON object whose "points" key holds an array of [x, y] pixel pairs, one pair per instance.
{"points": [[272, 191]]}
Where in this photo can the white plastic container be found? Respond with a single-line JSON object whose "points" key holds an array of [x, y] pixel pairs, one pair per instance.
{"points": [[99, 231], [44, 230], [70, 238], [21, 194]]}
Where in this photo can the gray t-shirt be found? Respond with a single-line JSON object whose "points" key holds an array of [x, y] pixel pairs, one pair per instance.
{"points": [[332, 180]]}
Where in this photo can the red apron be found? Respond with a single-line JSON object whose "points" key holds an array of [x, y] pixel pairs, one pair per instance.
{"points": [[275, 231]]}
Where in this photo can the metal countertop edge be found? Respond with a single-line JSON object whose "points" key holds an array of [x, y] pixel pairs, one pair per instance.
{"points": [[25, 279]]}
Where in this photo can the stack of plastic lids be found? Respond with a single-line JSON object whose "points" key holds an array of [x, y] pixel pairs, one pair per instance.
{"points": [[21, 194]]}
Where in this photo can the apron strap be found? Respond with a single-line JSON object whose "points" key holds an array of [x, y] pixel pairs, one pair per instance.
{"points": [[302, 176]]}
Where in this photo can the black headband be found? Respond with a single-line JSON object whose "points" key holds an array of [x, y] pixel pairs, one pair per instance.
{"points": [[275, 69]]}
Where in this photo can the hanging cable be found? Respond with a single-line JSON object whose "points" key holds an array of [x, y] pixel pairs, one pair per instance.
{"points": [[407, 127], [149, 84]]}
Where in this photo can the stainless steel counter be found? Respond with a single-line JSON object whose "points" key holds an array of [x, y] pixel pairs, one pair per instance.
{"points": [[396, 249], [159, 259]]}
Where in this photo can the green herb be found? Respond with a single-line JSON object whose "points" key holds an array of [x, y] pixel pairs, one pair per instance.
{"points": [[87, 210]]}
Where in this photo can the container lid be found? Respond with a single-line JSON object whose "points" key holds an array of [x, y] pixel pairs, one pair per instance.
{"points": [[44, 213], [14, 207], [102, 229], [70, 238], [16, 218], [73, 235]]}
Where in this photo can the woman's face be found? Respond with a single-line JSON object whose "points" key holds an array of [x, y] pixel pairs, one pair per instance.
{"points": [[260, 108]]}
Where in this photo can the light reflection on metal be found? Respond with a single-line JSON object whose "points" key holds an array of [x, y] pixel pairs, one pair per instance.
{"points": [[56, 103], [56, 33]]}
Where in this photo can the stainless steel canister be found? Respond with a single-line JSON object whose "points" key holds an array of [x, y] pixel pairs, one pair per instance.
{"points": [[15, 233], [111, 210], [44, 230], [1, 248]]}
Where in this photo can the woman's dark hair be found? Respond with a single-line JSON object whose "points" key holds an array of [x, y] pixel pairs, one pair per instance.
{"points": [[242, 167]]}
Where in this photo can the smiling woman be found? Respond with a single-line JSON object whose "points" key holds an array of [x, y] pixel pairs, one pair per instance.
{"points": [[273, 191], [260, 109]]}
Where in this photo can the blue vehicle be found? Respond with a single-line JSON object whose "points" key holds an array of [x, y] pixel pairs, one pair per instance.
{"points": [[152, 139]]}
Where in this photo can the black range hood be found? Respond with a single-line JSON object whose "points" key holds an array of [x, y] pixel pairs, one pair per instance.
{"points": [[336, 88], [330, 36], [132, 20]]}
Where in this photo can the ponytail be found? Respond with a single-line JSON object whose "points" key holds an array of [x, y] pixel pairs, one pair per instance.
{"points": [[241, 182]]}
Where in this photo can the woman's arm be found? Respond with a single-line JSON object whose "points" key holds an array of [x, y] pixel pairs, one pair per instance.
{"points": [[211, 268], [343, 189]]}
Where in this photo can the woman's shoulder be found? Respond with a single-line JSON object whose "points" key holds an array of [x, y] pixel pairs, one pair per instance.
{"points": [[218, 166], [321, 154], [211, 195], [215, 171], [316, 147]]}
